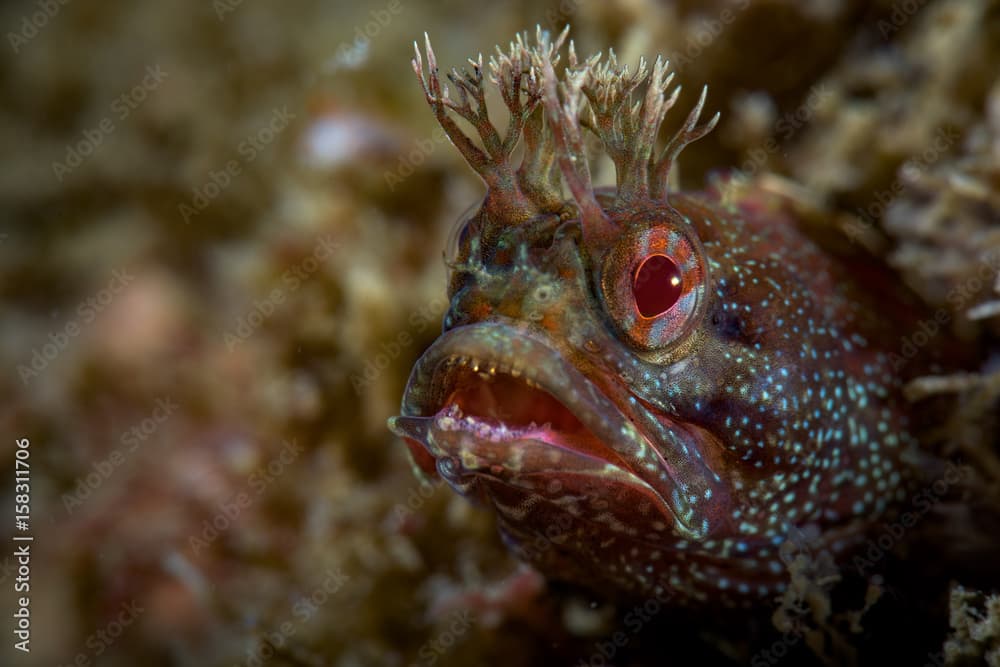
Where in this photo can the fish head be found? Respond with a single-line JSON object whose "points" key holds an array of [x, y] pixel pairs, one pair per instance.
{"points": [[642, 384]]}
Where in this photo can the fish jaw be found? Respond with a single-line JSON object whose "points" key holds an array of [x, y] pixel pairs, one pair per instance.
{"points": [[499, 412]]}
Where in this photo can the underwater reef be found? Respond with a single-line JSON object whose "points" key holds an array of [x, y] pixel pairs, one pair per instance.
{"points": [[221, 256]]}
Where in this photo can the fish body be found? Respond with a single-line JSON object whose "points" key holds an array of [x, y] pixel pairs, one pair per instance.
{"points": [[656, 391]]}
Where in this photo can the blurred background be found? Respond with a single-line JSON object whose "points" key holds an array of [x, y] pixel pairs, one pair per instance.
{"points": [[221, 227]]}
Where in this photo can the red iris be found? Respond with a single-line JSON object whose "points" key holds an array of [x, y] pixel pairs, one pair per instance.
{"points": [[657, 285]]}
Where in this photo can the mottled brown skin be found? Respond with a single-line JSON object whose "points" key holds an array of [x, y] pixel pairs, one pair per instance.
{"points": [[683, 454]]}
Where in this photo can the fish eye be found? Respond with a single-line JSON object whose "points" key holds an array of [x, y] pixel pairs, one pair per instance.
{"points": [[657, 285], [653, 284]]}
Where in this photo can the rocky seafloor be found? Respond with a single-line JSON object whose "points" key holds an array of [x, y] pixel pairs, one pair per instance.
{"points": [[220, 255]]}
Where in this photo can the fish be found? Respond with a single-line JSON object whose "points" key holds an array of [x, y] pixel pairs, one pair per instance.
{"points": [[656, 391]]}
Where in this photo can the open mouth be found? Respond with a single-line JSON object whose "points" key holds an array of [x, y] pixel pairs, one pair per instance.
{"points": [[497, 405], [490, 402]]}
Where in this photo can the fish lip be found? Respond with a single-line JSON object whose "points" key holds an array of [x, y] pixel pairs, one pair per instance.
{"points": [[538, 360]]}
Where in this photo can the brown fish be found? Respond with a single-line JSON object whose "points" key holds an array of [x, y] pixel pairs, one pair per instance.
{"points": [[659, 387]]}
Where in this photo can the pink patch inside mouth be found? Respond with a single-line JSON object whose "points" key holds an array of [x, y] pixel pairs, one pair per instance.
{"points": [[498, 408]]}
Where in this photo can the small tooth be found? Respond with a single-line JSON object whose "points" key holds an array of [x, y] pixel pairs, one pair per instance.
{"points": [[515, 372]]}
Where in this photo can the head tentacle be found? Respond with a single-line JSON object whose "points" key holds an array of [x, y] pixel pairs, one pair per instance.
{"points": [[505, 199], [689, 133], [550, 112], [564, 119]]}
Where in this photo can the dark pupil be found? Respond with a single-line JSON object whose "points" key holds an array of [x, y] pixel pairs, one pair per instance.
{"points": [[657, 285]]}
